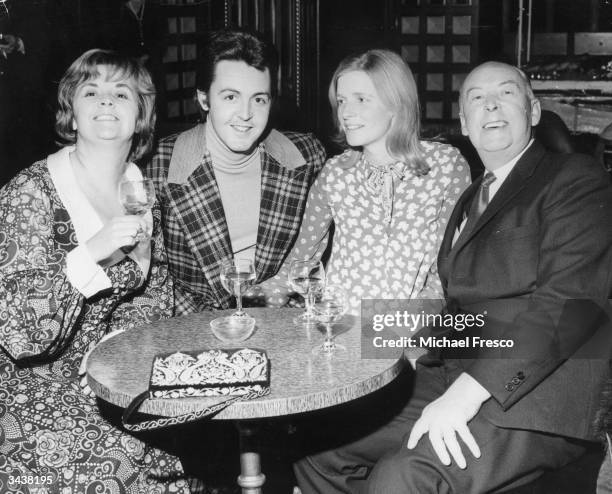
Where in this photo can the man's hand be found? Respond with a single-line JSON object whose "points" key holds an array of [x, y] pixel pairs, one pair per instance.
{"points": [[448, 416]]}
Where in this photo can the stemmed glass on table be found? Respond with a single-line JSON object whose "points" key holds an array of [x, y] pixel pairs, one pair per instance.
{"points": [[137, 197], [308, 279], [237, 275], [329, 306]]}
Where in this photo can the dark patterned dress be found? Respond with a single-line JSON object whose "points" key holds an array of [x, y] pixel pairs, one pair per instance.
{"points": [[52, 434]]}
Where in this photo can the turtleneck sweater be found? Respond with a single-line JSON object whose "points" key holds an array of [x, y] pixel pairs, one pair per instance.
{"points": [[238, 177]]}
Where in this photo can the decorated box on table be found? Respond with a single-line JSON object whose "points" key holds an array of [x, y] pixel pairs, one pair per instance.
{"points": [[238, 374], [209, 373]]}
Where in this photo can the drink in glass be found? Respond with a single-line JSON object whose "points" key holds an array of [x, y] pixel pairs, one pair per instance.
{"points": [[308, 279], [137, 197], [236, 276], [328, 307]]}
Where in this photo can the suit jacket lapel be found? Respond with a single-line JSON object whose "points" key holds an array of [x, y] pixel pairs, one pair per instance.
{"points": [[513, 184], [457, 216], [194, 193], [281, 165], [275, 181]]}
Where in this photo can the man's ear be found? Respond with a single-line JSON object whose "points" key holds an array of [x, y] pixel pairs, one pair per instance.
{"points": [[464, 130], [536, 112], [202, 98]]}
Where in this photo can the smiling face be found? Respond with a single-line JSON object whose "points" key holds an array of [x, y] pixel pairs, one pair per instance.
{"points": [[497, 113], [238, 104], [105, 108], [362, 115]]}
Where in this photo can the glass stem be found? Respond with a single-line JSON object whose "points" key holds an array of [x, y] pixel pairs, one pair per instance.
{"points": [[239, 312], [328, 345], [140, 235], [309, 302]]}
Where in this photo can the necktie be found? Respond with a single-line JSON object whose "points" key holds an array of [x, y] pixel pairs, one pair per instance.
{"points": [[479, 203]]}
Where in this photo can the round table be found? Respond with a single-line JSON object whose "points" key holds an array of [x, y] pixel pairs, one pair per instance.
{"points": [[119, 369]]}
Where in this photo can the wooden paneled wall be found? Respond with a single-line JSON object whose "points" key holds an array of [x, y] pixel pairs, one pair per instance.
{"points": [[292, 25]]}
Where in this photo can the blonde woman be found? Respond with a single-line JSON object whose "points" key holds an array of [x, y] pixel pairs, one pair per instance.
{"points": [[389, 194], [72, 269]]}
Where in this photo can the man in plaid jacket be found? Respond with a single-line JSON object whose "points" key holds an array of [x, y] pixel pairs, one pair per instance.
{"points": [[231, 186]]}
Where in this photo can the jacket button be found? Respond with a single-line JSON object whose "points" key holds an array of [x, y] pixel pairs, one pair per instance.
{"points": [[516, 380], [509, 387], [520, 375]]}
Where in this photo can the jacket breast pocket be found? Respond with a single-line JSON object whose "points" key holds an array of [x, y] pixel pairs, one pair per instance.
{"points": [[515, 233], [501, 262], [512, 255]]}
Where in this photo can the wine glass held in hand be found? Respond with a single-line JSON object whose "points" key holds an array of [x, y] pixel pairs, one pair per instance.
{"points": [[329, 306], [308, 279], [137, 197], [237, 275]]}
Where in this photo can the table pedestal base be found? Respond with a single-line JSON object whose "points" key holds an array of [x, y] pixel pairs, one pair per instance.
{"points": [[250, 479]]}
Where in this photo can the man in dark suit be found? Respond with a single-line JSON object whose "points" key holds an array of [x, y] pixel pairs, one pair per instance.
{"points": [[231, 187], [529, 246]]}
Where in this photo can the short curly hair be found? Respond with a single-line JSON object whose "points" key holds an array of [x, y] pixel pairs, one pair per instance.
{"points": [[85, 68]]}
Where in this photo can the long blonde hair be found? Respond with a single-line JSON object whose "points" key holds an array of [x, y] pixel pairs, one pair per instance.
{"points": [[397, 89]]}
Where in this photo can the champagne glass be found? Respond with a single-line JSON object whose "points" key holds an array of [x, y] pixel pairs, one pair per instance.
{"points": [[137, 197], [236, 277], [307, 278], [329, 306]]}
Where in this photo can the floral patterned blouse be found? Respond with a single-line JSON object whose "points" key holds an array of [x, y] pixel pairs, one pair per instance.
{"points": [[372, 258], [54, 307]]}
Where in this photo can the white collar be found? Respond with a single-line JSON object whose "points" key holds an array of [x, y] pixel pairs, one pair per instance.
{"points": [[503, 171], [84, 217]]}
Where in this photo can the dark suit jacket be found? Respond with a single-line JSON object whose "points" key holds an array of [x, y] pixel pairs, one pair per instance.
{"points": [[195, 230], [539, 263]]}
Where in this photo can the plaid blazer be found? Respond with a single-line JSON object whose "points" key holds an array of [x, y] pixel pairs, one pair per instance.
{"points": [[195, 230]]}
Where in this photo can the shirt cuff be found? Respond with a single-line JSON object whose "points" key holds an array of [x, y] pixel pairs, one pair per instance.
{"points": [[84, 273]]}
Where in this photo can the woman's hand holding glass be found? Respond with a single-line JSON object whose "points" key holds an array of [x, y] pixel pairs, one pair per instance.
{"points": [[329, 306], [118, 233], [308, 279], [137, 198], [124, 232]]}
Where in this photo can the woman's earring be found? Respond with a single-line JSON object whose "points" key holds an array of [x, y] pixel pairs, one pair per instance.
{"points": [[74, 125]]}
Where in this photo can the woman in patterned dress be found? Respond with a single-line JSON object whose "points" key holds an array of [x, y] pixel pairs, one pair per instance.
{"points": [[389, 194], [72, 271]]}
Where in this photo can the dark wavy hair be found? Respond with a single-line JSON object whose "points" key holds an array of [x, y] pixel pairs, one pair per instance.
{"points": [[120, 67], [238, 45], [397, 89]]}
